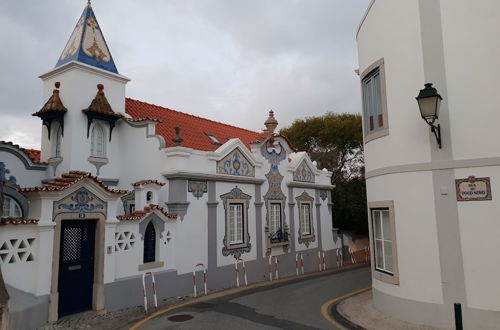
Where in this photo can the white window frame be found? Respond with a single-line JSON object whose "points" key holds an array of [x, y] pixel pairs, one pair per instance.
{"points": [[14, 208], [375, 210], [305, 223], [275, 218], [56, 147], [236, 223], [377, 69], [98, 133]]}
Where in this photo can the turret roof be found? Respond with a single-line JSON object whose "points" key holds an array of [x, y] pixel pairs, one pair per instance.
{"points": [[87, 45]]}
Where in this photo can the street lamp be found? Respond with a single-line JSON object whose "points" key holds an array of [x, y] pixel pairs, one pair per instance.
{"points": [[428, 101]]}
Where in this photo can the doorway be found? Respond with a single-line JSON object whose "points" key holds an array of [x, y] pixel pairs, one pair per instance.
{"points": [[76, 266]]}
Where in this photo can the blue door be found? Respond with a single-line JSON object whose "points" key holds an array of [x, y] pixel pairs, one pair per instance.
{"points": [[76, 266]]}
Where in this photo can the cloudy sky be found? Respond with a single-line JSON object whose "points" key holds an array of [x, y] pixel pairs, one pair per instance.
{"points": [[226, 60]]}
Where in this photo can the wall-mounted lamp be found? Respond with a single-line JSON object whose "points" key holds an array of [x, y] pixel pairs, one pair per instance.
{"points": [[428, 101]]}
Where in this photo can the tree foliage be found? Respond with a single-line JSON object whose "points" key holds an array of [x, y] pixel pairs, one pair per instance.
{"points": [[335, 142]]}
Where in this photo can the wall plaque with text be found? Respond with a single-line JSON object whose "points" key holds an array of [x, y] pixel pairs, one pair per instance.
{"points": [[473, 189]]}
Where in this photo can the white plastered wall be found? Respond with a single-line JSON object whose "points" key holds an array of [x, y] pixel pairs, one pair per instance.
{"points": [[18, 273], [24, 177], [479, 228], [392, 31], [414, 212], [471, 48]]}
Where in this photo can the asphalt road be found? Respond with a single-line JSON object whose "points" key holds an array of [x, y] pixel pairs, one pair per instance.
{"points": [[295, 305]]}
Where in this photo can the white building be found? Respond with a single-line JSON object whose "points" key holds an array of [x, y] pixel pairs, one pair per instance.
{"points": [[121, 187], [434, 229]]}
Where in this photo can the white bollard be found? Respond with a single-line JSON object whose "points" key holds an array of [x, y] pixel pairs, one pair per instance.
{"points": [[276, 265], [144, 290], [204, 278], [301, 263], [237, 272], [321, 260], [352, 256]]}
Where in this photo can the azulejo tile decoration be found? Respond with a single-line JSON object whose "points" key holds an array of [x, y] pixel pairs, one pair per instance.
{"points": [[323, 194], [305, 239], [236, 195], [275, 153], [10, 180], [303, 173], [198, 188], [235, 164], [80, 202]]}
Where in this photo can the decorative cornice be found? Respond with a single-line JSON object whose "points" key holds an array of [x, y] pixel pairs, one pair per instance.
{"points": [[295, 184], [211, 177]]}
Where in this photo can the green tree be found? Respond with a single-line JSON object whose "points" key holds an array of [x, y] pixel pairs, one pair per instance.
{"points": [[335, 142]]}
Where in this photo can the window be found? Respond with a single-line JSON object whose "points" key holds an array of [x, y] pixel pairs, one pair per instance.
{"points": [[384, 241], [56, 148], [11, 207], [149, 196], [149, 243], [98, 148], [275, 217], [236, 237], [305, 219], [374, 103], [306, 227], [235, 223], [213, 139]]}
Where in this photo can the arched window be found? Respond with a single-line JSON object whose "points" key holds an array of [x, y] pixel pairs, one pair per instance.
{"points": [[98, 148], [11, 207], [149, 196], [56, 149], [150, 243]]}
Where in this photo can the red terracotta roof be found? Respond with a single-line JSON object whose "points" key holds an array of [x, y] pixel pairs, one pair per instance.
{"points": [[67, 180], [193, 128], [32, 154], [17, 221], [143, 182], [138, 215]]}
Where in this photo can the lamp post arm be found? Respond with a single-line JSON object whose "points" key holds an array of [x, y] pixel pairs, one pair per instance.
{"points": [[436, 129]]}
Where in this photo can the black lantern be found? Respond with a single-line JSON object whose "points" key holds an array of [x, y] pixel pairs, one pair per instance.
{"points": [[428, 101]]}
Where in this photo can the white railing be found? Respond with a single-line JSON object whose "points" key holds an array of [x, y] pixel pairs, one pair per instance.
{"points": [[321, 260], [276, 267], [301, 263], [238, 261], [204, 278], [153, 282]]}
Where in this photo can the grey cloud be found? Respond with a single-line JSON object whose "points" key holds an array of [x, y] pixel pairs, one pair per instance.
{"points": [[230, 61]]}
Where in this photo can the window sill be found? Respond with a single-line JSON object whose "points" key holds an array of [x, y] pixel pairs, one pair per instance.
{"points": [[101, 160], [151, 265], [236, 246], [280, 244], [54, 160], [376, 135], [384, 277]]}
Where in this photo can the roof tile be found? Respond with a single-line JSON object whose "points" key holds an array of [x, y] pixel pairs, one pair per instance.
{"points": [[193, 128]]}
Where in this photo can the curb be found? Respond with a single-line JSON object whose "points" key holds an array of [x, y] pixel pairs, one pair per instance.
{"points": [[233, 291], [332, 315]]}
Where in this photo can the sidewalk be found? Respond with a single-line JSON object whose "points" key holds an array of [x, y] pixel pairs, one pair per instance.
{"points": [[360, 311]]}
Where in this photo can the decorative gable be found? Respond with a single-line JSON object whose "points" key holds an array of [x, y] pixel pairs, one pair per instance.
{"points": [[235, 163], [303, 173]]}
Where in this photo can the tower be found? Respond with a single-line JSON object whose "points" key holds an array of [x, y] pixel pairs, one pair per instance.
{"points": [[89, 98]]}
